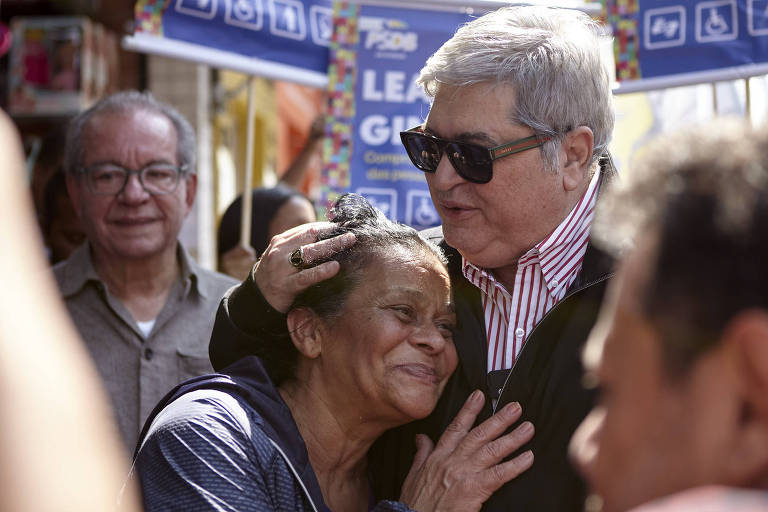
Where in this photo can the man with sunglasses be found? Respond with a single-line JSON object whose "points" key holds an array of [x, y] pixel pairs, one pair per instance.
{"points": [[514, 153], [143, 307]]}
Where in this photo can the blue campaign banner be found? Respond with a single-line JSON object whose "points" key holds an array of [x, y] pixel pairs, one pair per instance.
{"points": [[393, 45], [660, 38], [291, 32]]}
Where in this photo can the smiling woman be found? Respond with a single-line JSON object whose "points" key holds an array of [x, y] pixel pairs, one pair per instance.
{"points": [[368, 349]]}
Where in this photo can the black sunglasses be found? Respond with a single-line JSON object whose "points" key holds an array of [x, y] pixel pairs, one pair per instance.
{"points": [[472, 162]]}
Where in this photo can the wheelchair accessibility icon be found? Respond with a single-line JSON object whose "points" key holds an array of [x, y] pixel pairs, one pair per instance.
{"points": [[716, 21], [245, 13], [715, 24], [419, 210], [243, 10]]}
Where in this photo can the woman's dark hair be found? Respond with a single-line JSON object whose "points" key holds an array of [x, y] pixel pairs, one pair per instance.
{"points": [[374, 235], [266, 202]]}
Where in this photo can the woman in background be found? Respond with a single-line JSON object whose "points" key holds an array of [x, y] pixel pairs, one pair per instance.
{"points": [[274, 210]]}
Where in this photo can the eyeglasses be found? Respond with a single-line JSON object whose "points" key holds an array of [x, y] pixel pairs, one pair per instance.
{"points": [[472, 162], [110, 179]]}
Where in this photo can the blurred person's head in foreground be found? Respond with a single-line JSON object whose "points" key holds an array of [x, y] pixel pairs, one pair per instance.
{"points": [[130, 164], [274, 210], [680, 352]]}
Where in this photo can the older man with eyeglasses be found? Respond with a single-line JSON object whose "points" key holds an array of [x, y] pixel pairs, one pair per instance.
{"points": [[143, 307]]}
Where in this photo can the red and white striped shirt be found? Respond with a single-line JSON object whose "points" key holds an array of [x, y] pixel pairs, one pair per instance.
{"points": [[544, 274]]}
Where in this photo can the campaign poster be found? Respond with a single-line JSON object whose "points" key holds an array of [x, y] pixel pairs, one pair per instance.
{"points": [[376, 56]]}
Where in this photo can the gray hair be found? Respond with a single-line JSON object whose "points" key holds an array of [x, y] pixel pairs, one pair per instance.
{"points": [[127, 101], [552, 59]]}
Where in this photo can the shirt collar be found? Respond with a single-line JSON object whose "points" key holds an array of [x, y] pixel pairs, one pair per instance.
{"points": [[574, 224], [568, 233], [191, 274], [80, 270]]}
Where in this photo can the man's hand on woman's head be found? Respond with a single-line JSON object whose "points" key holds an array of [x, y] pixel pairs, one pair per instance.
{"points": [[279, 281], [467, 466]]}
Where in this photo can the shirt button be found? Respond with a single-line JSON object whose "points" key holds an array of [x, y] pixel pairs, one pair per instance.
{"points": [[519, 332], [148, 354], [555, 283]]}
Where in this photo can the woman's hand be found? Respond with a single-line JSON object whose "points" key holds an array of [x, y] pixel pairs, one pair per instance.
{"points": [[466, 467], [279, 281]]}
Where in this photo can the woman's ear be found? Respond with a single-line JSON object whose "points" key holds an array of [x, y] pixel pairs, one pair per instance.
{"points": [[306, 328]]}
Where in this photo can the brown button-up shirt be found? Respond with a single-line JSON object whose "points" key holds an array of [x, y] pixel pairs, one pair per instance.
{"points": [[138, 371]]}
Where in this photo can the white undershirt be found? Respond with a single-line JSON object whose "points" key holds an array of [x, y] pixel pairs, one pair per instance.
{"points": [[146, 327]]}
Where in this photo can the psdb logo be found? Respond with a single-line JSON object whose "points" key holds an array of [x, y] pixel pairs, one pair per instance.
{"points": [[392, 40]]}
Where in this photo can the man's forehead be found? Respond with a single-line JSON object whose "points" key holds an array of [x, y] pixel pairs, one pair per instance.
{"points": [[474, 111], [150, 130], [140, 117]]}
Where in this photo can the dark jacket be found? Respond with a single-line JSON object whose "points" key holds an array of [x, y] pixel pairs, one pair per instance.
{"points": [[546, 379], [228, 442]]}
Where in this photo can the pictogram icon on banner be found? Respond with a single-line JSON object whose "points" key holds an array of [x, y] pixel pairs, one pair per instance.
{"points": [[716, 21], [245, 14], [419, 210], [664, 27], [287, 19], [205, 9], [321, 24], [757, 17]]}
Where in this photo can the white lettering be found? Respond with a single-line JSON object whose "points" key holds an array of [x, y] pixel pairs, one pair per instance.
{"points": [[369, 86], [376, 130], [373, 37], [390, 40], [393, 86]]}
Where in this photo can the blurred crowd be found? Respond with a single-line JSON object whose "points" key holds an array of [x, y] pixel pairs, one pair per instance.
{"points": [[569, 339]]}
